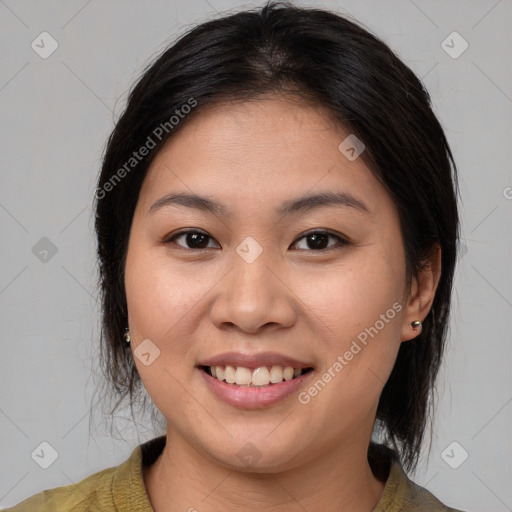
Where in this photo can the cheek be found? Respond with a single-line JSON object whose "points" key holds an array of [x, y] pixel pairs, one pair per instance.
{"points": [[352, 295], [359, 311], [161, 304], [158, 294]]}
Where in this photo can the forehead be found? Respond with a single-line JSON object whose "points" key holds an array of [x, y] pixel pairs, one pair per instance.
{"points": [[259, 152]]}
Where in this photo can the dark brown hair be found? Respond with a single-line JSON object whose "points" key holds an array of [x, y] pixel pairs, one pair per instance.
{"points": [[322, 57]]}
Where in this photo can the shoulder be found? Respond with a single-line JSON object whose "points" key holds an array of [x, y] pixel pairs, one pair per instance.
{"points": [[400, 493], [91, 493], [413, 497], [112, 489]]}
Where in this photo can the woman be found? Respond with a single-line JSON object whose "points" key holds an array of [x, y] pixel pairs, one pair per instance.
{"points": [[277, 231]]}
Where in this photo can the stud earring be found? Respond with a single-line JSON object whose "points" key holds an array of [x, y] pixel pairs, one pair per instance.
{"points": [[127, 336], [415, 324]]}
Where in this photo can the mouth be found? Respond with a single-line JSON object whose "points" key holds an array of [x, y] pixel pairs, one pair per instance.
{"points": [[254, 381], [261, 376]]}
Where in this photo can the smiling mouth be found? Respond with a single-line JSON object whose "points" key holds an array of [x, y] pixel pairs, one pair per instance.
{"points": [[262, 376]]}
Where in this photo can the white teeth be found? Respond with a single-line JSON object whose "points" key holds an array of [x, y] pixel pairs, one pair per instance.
{"points": [[288, 373], [242, 376], [229, 375], [276, 374], [261, 376]]}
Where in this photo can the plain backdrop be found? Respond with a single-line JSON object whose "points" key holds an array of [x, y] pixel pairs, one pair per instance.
{"points": [[55, 115]]}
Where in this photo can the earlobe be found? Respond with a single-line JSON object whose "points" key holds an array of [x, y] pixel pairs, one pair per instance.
{"points": [[411, 330], [422, 295]]}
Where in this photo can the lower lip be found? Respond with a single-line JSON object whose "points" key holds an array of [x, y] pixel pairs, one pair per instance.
{"points": [[253, 397]]}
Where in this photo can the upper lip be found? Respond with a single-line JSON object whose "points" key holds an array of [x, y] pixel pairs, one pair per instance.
{"points": [[236, 359]]}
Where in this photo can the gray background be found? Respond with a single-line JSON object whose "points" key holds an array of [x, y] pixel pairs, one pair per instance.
{"points": [[55, 116]]}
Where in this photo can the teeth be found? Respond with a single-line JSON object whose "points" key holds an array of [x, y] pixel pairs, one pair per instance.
{"points": [[229, 375], [261, 376], [276, 374], [288, 373], [242, 376]]}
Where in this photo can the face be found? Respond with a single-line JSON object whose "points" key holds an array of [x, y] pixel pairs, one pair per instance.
{"points": [[262, 282]]}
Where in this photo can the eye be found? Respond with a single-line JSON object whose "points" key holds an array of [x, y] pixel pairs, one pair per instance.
{"points": [[194, 238], [315, 240], [318, 240]]}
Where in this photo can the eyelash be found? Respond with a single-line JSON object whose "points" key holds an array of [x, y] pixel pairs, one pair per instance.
{"points": [[341, 241]]}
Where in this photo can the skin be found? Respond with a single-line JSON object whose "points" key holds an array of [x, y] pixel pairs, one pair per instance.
{"points": [[293, 299]]}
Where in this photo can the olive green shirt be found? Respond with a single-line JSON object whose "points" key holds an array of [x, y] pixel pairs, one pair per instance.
{"points": [[121, 488]]}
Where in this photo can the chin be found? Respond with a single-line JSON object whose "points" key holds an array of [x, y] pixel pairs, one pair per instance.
{"points": [[256, 456]]}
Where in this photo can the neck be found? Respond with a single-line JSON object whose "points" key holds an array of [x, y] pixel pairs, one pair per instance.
{"points": [[185, 480]]}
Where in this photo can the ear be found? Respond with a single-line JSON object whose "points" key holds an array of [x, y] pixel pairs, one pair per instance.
{"points": [[421, 296]]}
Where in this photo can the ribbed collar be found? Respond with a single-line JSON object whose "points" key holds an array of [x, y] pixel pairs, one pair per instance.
{"points": [[129, 492]]}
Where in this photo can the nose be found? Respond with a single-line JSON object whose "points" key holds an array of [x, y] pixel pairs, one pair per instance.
{"points": [[253, 298]]}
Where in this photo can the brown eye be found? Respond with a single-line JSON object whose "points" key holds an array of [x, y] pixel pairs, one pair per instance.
{"points": [[193, 239], [315, 240], [319, 240]]}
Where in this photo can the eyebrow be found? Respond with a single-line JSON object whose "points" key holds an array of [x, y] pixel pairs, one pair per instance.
{"points": [[287, 208]]}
